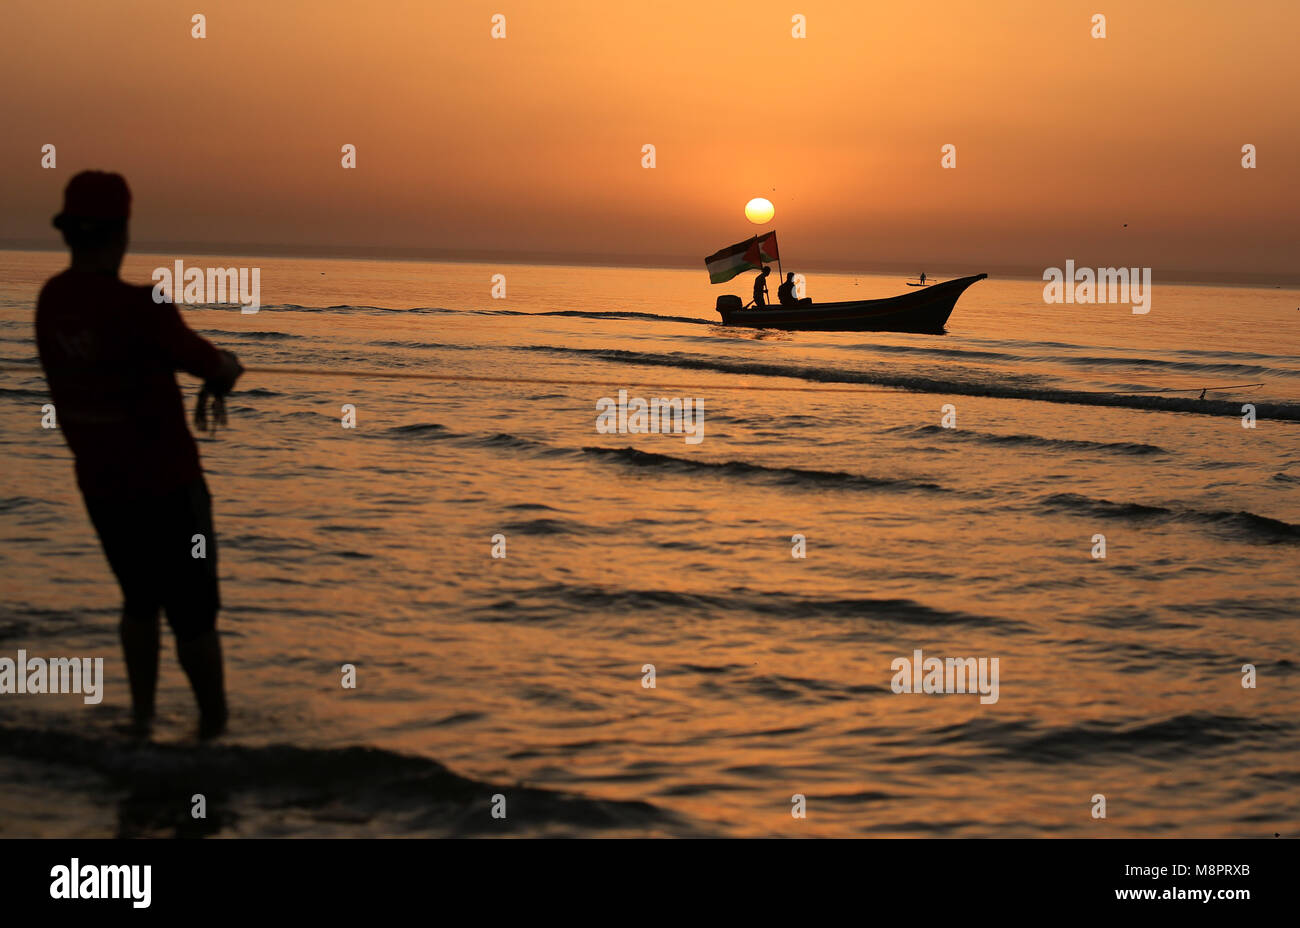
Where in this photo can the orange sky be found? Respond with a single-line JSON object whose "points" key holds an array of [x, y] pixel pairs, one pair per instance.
{"points": [[475, 146]]}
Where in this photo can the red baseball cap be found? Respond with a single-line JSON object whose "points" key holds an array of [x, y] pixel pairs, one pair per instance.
{"points": [[95, 195]]}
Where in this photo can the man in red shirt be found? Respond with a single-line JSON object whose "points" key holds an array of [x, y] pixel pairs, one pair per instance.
{"points": [[110, 354]]}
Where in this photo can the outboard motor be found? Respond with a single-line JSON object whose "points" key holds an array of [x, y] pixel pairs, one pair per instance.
{"points": [[728, 303]]}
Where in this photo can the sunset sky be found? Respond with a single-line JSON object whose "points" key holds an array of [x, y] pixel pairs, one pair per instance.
{"points": [[531, 145]]}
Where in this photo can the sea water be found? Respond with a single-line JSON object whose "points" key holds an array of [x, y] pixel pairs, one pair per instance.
{"points": [[621, 632]]}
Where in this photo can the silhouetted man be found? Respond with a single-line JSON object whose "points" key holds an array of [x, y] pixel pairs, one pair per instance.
{"points": [[785, 293], [923, 278], [110, 354], [760, 287]]}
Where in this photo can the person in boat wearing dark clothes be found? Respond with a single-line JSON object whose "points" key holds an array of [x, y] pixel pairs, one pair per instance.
{"points": [[785, 293], [110, 353], [760, 287]]}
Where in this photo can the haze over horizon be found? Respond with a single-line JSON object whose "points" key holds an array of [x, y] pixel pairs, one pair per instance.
{"points": [[1117, 151]]}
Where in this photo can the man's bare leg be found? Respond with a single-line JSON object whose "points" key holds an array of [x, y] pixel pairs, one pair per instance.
{"points": [[201, 660], [139, 634]]}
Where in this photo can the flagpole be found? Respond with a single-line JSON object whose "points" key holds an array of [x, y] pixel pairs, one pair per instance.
{"points": [[778, 267], [779, 272]]}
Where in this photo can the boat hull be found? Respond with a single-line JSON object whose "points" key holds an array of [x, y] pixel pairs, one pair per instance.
{"points": [[926, 310]]}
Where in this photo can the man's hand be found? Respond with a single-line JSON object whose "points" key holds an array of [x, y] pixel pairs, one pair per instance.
{"points": [[214, 392], [224, 382]]}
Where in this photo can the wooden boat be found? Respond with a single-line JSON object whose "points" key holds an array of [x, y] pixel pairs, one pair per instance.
{"points": [[918, 285], [926, 310]]}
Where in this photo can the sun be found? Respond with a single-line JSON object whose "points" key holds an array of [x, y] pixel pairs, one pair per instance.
{"points": [[759, 210]]}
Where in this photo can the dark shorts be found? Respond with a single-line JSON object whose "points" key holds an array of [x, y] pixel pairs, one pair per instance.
{"points": [[150, 542]]}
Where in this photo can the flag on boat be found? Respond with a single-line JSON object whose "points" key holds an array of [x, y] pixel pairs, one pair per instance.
{"points": [[749, 255]]}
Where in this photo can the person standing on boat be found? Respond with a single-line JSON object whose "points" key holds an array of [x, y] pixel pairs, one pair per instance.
{"points": [[760, 287], [923, 278]]}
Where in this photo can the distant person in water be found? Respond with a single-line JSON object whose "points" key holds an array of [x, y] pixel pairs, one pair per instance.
{"points": [[760, 287], [923, 278], [110, 353], [786, 296]]}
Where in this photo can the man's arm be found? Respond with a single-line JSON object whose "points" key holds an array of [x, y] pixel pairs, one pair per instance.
{"points": [[188, 351]]}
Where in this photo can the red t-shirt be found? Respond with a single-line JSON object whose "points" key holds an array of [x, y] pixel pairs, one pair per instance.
{"points": [[110, 354]]}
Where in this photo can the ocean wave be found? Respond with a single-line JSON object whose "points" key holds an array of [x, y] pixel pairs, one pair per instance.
{"points": [[416, 345], [370, 781], [917, 384], [266, 544], [1245, 525], [617, 314], [15, 503], [264, 336], [559, 600], [1223, 368], [1246, 608], [342, 309], [547, 527], [970, 354], [21, 393], [420, 430], [433, 431], [1118, 350], [441, 310], [1091, 741], [517, 442], [1032, 441], [786, 476]]}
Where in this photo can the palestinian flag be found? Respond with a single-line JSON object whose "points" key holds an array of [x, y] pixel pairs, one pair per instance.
{"points": [[749, 255]]}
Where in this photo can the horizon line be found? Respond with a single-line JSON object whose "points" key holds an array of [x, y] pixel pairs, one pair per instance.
{"points": [[1277, 280]]}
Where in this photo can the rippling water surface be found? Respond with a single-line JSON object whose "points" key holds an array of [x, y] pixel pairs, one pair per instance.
{"points": [[523, 675]]}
